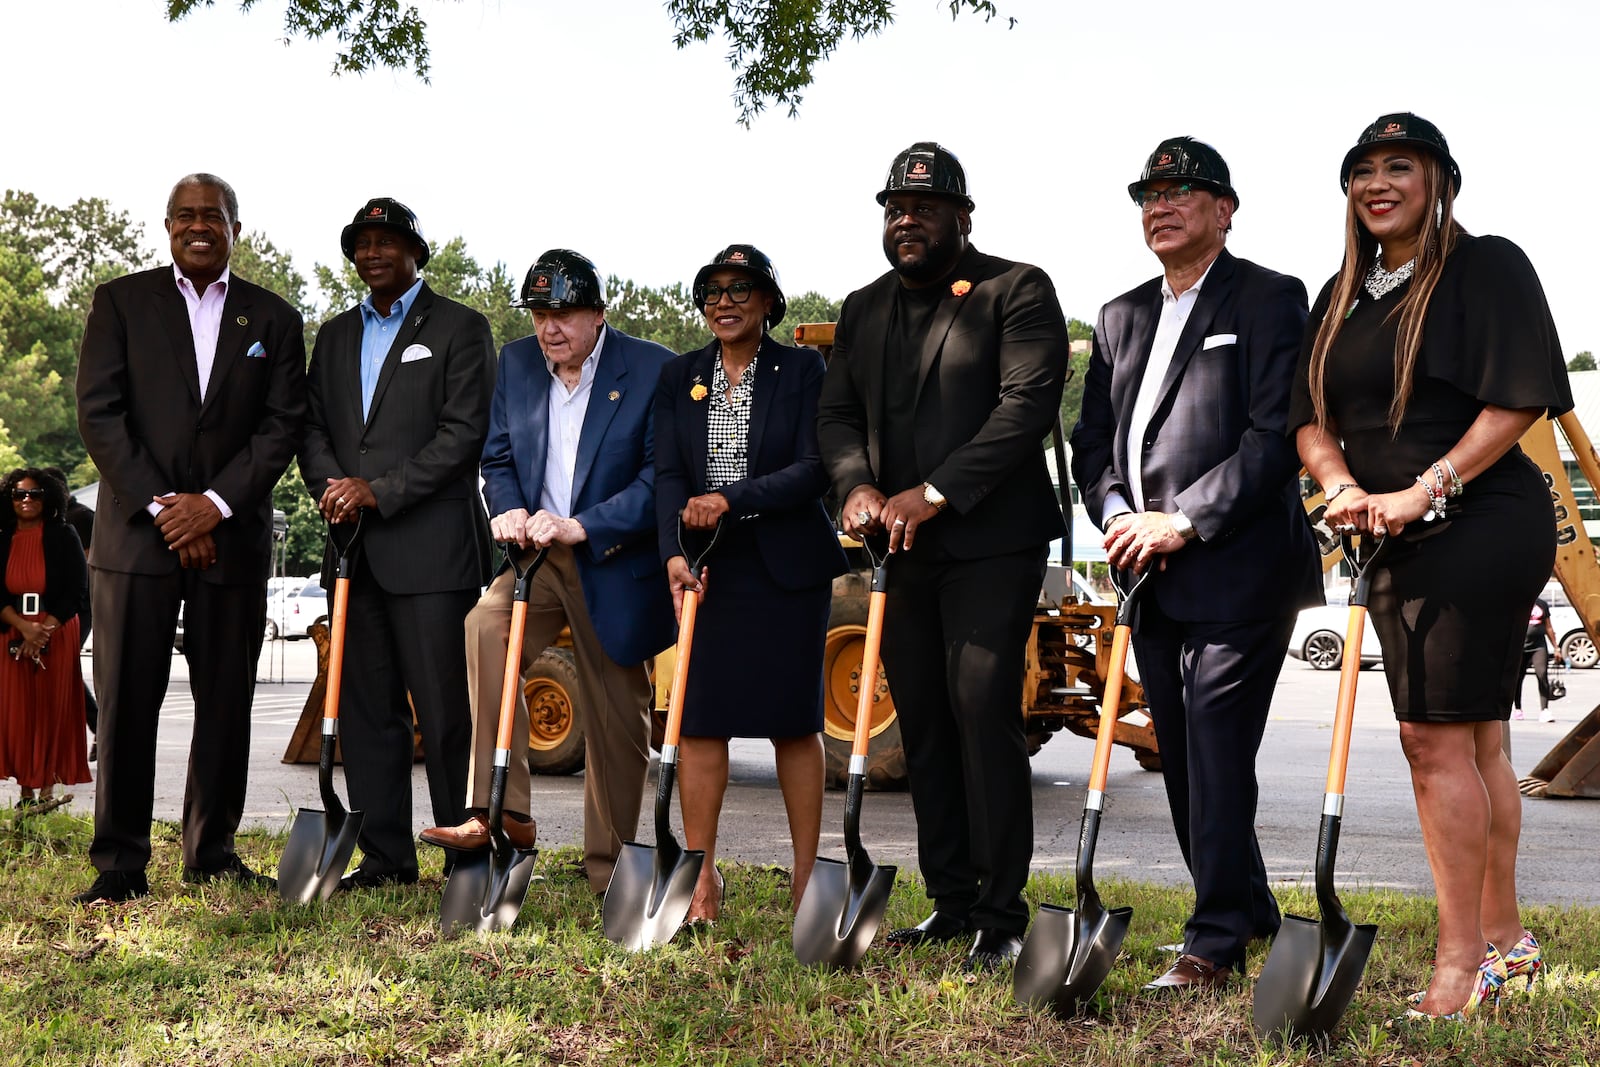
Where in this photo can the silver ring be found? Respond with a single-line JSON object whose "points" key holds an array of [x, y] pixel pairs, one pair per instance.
{"points": [[1381, 531], [863, 516], [899, 522]]}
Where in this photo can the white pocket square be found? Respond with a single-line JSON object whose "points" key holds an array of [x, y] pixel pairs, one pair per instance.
{"points": [[415, 352], [1217, 340]]}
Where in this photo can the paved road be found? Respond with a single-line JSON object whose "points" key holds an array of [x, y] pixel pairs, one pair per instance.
{"points": [[1380, 844]]}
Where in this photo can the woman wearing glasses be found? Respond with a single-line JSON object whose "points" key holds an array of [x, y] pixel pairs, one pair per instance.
{"points": [[736, 444], [1426, 358], [42, 739]]}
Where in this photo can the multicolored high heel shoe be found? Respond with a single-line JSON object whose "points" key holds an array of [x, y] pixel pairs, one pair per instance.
{"points": [[1525, 960], [1491, 977]]}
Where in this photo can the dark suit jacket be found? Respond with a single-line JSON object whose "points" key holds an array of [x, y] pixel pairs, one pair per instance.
{"points": [[1216, 447], [66, 581], [613, 492], [993, 364], [140, 416], [418, 448], [781, 496]]}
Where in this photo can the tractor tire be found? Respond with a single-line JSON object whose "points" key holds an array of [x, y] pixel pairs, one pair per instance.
{"points": [[555, 738], [841, 679]]}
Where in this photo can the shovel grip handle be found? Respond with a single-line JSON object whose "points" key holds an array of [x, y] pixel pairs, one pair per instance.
{"points": [[341, 610], [512, 680], [868, 686], [1106, 732], [680, 667], [1345, 709]]}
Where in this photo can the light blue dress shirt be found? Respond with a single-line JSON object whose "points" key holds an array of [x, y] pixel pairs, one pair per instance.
{"points": [[377, 335]]}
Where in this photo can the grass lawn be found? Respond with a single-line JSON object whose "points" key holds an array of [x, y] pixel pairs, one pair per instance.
{"points": [[227, 976]]}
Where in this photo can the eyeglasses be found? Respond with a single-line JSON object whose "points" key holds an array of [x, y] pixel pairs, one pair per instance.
{"points": [[1177, 196], [738, 292], [27, 494]]}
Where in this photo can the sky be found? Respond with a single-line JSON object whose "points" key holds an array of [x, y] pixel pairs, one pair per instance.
{"points": [[580, 125]]}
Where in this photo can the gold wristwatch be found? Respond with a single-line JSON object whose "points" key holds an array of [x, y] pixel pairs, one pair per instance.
{"points": [[933, 496]]}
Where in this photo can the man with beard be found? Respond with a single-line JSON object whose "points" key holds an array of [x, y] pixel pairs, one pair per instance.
{"points": [[399, 408], [946, 376]]}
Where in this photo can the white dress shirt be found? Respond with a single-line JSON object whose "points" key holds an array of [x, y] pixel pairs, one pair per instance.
{"points": [[566, 409], [1175, 309]]}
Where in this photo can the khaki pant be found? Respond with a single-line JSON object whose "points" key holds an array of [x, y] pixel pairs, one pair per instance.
{"points": [[613, 708]]}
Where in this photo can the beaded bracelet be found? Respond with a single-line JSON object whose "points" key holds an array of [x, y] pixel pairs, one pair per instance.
{"points": [[1456, 486], [1435, 500]]}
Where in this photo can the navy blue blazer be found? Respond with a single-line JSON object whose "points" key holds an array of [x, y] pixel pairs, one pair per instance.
{"points": [[781, 494], [1217, 446], [613, 493]]}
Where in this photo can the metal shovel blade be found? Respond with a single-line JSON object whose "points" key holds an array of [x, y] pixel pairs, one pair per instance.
{"points": [[318, 850], [1068, 955], [649, 893], [1310, 976], [840, 912], [485, 890]]}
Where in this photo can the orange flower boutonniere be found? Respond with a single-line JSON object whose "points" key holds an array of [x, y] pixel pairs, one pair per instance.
{"points": [[699, 392], [960, 288]]}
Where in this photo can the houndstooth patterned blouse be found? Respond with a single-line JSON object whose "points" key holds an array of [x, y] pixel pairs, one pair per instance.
{"points": [[728, 425]]}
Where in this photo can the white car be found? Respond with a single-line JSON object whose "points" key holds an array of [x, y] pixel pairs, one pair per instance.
{"points": [[291, 611], [1318, 638]]}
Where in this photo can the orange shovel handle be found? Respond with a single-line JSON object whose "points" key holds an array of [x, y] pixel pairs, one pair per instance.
{"points": [[1345, 709], [680, 668], [868, 686], [341, 607], [1106, 731], [512, 679]]}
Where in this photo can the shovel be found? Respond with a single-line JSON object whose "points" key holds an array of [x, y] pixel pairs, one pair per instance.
{"points": [[651, 888], [1314, 967], [1069, 953], [486, 889], [321, 842], [845, 902]]}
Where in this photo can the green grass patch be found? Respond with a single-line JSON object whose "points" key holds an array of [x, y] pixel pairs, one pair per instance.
{"points": [[220, 975]]}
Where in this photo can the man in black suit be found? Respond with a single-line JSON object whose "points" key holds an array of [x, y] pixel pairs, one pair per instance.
{"points": [[946, 376], [399, 391], [191, 392], [1182, 459]]}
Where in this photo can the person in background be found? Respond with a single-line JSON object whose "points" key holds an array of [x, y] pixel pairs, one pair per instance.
{"points": [[1425, 360], [736, 445], [1540, 630], [42, 741], [81, 518]]}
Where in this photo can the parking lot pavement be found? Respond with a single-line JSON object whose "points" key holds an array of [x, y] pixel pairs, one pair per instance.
{"points": [[1380, 843]]}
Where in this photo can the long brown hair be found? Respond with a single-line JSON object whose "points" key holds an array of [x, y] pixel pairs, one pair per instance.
{"points": [[1437, 239]]}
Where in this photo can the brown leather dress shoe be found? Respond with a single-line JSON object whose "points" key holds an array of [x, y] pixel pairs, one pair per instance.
{"points": [[1192, 972], [473, 835]]}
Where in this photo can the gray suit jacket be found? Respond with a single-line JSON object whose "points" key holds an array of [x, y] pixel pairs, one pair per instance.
{"points": [[1216, 446], [418, 447]]}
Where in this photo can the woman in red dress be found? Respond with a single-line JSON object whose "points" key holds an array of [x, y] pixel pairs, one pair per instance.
{"points": [[42, 739]]}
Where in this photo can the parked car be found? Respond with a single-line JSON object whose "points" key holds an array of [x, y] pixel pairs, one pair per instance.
{"points": [[1318, 638], [291, 612]]}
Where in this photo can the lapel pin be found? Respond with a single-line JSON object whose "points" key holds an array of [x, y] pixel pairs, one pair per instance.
{"points": [[613, 395], [774, 368], [242, 321], [417, 322]]}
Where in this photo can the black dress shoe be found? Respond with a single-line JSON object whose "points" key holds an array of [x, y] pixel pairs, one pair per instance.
{"points": [[114, 887], [992, 949], [937, 928], [233, 870], [364, 879]]}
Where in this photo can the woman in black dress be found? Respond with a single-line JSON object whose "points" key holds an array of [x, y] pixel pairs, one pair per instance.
{"points": [[1426, 358], [736, 442]]}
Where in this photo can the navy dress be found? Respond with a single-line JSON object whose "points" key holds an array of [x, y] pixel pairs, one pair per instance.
{"points": [[757, 664], [1450, 598]]}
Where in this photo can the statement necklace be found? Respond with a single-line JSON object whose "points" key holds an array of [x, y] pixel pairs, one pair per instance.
{"points": [[1380, 281]]}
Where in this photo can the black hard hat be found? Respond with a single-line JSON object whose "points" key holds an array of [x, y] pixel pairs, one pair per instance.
{"points": [[1402, 127], [751, 260], [1184, 159], [561, 278], [927, 167], [391, 214]]}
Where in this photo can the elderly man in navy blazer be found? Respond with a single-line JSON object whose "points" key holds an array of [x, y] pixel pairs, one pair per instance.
{"points": [[399, 391], [1181, 455], [569, 464]]}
